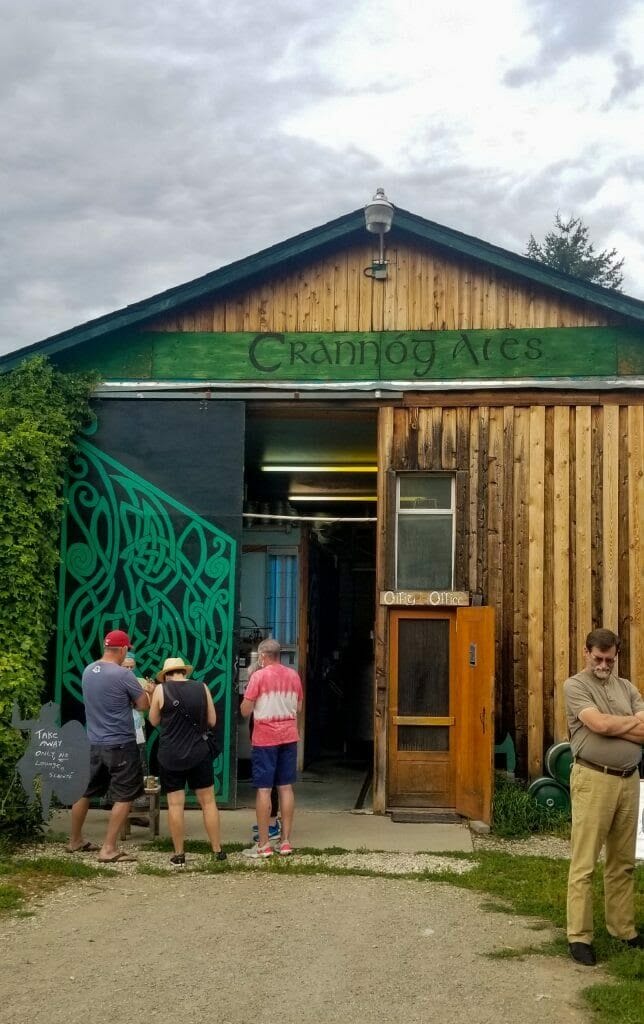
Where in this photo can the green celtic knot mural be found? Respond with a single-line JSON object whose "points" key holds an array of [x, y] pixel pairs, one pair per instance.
{"points": [[134, 557]]}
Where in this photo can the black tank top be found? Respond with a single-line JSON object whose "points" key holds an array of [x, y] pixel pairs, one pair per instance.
{"points": [[181, 745]]}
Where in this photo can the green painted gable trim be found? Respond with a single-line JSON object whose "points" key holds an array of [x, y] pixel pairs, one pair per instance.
{"points": [[467, 245], [242, 272], [414, 356], [311, 244]]}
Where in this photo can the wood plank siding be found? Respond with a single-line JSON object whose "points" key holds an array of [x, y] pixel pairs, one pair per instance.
{"points": [[534, 496], [549, 483], [424, 291]]}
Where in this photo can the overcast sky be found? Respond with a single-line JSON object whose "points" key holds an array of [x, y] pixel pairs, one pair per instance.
{"points": [[146, 143]]}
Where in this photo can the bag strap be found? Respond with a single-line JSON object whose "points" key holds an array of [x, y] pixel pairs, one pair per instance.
{"points": [[178, 704]]}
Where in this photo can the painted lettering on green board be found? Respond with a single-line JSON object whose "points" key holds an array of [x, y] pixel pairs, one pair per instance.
{"points": [[416, 356], [345, 356]]}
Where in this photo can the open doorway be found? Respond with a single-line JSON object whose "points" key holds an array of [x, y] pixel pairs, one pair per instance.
{"points": [[308, 579], [340, 662]]}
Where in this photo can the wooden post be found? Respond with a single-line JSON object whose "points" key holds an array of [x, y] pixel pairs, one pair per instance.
{"points": [[385, 445], [535, 589], [474, 499], [504, 670], [561, 565], [636, 567], [495, 543], [303, 633], [583, 522], [521, 490], [610, 517]]}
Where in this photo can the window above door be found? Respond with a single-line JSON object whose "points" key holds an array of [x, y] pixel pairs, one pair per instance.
{"points": [[425, 531]]}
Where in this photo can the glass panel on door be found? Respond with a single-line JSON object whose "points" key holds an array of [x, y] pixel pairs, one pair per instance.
{"points": [[423, 682]]}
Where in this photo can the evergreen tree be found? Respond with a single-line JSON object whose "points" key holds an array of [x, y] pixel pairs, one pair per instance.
{"points": [[569, 250]]}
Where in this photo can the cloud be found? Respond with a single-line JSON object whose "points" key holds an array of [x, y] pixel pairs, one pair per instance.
{"points": [[567, 29], [141, 147], [629, 78], [146, 144]]}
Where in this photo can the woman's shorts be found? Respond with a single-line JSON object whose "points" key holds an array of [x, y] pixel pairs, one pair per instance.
{"points": [[274, 766], [200, 776]]}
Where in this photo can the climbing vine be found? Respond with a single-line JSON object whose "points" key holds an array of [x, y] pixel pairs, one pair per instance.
{"points": [[41, 411]]}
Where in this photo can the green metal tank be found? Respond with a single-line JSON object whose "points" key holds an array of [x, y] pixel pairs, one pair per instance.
{"points": [[550, 794], [558, 762]]}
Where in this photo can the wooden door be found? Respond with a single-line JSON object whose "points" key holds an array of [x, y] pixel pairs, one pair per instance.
{"points": [[420, 733], [474, 713]]}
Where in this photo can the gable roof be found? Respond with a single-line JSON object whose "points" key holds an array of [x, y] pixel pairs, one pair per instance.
{"points": [[311, 244]]}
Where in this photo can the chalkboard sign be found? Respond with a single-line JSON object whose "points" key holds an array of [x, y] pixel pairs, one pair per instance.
{"points": [[58, 755]]}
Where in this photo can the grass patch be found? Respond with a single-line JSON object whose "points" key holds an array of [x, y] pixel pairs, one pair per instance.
{"points": [[291, 866], [536, 887], [517, 815], [533, 886], [152, 869], [55, 837], [201, 846], [58, 867], [508, 953], [496, 908], [11, 897], [27, 879], [162, 845], [617, 1003], [556, 947]]}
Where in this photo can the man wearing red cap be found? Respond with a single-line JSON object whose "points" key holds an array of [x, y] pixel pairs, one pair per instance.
{"points": [[110, 692]]}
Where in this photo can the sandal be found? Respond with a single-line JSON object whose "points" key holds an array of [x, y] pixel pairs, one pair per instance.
{"points": [[119, 858]]}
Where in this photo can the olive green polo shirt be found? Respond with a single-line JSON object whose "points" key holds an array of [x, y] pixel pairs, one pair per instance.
{"points": [[614, 696]]}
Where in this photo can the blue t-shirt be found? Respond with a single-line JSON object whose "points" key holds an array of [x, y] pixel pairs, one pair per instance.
{"points": [[109, 692]]}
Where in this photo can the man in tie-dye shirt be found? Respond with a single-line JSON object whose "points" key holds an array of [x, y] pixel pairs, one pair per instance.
{"points": [[274, 697]]}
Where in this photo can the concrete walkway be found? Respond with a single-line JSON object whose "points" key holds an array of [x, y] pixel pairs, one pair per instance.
{"points": [[319, 829]]}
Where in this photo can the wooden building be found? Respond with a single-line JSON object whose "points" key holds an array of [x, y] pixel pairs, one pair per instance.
{"points": [[474, 421]]}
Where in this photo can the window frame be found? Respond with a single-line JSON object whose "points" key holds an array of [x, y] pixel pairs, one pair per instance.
{"points": [[398, 512], [278, 552]]}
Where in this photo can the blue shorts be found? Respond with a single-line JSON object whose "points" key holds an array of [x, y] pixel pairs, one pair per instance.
{"points": [[274, 766]]}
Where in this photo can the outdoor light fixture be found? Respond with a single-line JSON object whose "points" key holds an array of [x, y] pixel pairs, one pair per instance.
{"points": [[323, 498], [336, 468], [378, 215]]}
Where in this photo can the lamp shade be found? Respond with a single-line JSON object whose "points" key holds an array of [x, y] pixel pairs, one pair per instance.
{"points": [[379, 213]]}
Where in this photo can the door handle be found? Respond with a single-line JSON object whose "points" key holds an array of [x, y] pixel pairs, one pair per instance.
{"points": [[482, 717]]}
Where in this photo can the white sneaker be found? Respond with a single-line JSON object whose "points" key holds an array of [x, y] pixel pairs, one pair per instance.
{"points": [[258, 852]]}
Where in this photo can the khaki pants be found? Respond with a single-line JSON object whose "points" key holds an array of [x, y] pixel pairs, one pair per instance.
{"points": [[604, 811]]}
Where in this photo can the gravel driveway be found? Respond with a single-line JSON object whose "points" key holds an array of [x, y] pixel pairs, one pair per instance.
{"points": [[238, 948]]}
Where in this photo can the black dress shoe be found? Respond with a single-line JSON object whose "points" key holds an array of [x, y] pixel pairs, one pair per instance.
{"points": [[637, 942], [582, 953]]}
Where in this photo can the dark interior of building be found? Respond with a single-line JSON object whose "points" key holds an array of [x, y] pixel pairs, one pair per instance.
{"points": [[312, 474]]}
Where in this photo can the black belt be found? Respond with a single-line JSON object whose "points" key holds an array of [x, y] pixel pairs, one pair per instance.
{"points": [[622, 773]]}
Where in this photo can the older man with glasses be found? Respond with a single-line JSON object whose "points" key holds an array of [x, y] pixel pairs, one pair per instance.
{"points": [[606, 722]]}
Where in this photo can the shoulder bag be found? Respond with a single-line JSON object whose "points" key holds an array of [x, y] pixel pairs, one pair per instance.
{"points": [[210, 736]]}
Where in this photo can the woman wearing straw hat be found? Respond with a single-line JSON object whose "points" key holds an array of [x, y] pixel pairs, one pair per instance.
{"points": [[184, 710]]}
